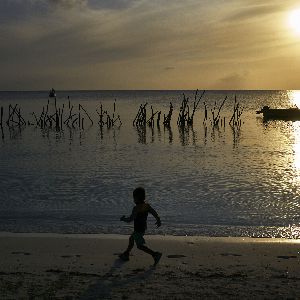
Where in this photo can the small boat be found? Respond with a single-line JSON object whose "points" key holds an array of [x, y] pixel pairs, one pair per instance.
{"points": [[286, 114], [52, 93]]}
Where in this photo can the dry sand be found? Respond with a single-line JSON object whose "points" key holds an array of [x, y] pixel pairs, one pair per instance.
{"points": [[49, 266]]}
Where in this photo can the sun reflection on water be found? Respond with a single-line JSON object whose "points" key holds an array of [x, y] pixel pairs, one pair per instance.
{"points": [[297, 156], [296, 152], [294, 97]]}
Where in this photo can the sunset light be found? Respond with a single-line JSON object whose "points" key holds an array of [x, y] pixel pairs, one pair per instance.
{"points": [[149, 149], [132, 44], [294, 20], [295, 97]]}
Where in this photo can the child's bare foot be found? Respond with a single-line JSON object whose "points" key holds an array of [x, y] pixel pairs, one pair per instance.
{"points": [[124, 256], [156, 257]]}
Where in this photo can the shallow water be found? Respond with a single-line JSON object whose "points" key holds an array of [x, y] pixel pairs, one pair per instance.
{"points": [[217, 182]]}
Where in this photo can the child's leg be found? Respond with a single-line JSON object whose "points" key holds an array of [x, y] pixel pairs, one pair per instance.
{"points": [[140, 241], [156, 255], [125, 255], [146, 249], [130, 245]]}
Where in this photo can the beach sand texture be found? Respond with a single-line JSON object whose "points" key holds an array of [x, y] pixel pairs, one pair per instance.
{"points": [[49, 266]]}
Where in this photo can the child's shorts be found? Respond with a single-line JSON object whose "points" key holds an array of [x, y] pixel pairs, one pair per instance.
{"points": [[138, 238]]}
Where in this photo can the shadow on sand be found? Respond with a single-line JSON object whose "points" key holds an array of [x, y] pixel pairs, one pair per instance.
{"points": [[103, 288]]}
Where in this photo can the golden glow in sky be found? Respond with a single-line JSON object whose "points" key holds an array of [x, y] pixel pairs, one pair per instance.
{"points": [[294, 20], [131, 44]]}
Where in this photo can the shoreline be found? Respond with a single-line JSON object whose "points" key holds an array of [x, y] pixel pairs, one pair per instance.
{"points": [[86, 266], [151, 236], [198, 238]]}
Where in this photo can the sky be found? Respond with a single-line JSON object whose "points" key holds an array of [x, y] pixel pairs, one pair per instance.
{"points": [[149, 44]]}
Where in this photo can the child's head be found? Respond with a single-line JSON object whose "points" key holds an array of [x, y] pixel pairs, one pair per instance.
{"points": [[139, 195]]}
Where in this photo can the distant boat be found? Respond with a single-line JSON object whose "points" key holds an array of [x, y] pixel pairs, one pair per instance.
{"points": [[52, 93], [286, 114]]}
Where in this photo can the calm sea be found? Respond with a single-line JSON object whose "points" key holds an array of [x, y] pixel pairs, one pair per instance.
{"points": [[202, 180]]}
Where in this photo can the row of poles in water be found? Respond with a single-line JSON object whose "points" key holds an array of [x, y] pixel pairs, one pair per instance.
{"points": [[60, 116], [187, 112]]}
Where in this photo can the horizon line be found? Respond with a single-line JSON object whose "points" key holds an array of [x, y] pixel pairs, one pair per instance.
{"points": [[143, 90]]}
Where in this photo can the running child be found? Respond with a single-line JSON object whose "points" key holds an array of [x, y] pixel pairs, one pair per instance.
{"points": [[139, 216]]}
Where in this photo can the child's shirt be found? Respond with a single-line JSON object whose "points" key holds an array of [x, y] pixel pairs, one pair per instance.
{"points": [[140, 214]]}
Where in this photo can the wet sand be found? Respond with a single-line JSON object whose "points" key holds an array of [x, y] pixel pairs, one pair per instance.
{"points": [[50, 266]]}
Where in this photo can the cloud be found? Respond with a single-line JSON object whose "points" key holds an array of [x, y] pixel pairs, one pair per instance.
{"points": [[68, 3], [118, 42], [12, 11], [241, 11], [233, 81], [254, 11], [94, 4], [169, 68], [111, 4]]}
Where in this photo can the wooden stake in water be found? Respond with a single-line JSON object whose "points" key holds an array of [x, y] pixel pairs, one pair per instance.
{"points": [[158, 118], [11, 114], [217, 118], [61, 117], [79, 117], [1, 120], [1, 116], [140, 118], [195, 106], [86, 114], [167, 119]]}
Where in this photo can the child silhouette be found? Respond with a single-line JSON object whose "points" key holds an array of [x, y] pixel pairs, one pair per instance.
{"points": [[139, 216]]}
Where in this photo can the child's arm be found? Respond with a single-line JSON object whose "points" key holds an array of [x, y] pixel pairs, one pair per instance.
{"points": [[153, 212], [130, 218]]}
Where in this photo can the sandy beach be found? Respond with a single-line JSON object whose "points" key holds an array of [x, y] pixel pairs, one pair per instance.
{"points": [[50, 266]]}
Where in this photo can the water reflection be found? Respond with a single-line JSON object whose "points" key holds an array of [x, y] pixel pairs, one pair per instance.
{"points": [[183, 135], [153, 134], [285, 139], [251, 191], [142, 134], [296, 151], [15, 132], [236, 136], [187, 135], [159, 132], [169, 131], [294, 97]]}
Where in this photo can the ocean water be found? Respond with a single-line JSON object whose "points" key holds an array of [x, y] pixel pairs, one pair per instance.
{"points": [[202, 180]]}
